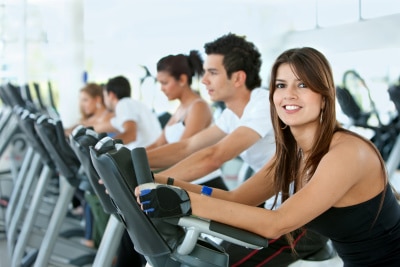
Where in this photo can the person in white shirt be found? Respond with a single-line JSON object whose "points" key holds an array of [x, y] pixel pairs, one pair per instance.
{"points": [[136, 123], [243, 129]]}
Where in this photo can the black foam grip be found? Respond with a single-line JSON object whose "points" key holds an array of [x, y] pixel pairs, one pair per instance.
{"points": [[141, 165]]}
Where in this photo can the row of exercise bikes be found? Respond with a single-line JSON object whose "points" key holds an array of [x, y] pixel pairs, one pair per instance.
{"points": [[36, 222]]}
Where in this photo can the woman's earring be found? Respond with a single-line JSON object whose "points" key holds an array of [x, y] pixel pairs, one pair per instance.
{"points": [[284, 127], [320, 117]]}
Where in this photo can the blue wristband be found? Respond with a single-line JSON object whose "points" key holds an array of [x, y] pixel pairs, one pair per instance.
{"points": [[207, 191]]}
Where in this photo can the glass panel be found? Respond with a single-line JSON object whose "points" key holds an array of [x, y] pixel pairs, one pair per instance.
{"points": [[373, 8], [302, 14], [335, 12]]}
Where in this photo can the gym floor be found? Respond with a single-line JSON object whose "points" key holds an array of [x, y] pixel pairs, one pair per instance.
{"points": [[4, 262]]}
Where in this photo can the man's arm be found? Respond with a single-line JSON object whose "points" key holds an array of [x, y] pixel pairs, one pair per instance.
{"points": [[211, 158], [129, 133], [169, 154]]}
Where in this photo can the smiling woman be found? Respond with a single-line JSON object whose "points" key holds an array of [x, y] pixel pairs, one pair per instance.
{"points": [[292, 96]]}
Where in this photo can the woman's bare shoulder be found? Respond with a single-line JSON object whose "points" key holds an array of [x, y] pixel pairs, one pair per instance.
{"points": [[347, 138], [351, 145], [199, 103]]}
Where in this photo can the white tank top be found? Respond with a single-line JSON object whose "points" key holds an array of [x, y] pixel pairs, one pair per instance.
{"points": [[174, 132]]}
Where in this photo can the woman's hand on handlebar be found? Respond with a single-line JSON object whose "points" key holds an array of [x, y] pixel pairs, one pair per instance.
{"points": [[163, 201]]}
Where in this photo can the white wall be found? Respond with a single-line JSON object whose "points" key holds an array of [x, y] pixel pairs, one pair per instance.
{"points": [[121, 35]]}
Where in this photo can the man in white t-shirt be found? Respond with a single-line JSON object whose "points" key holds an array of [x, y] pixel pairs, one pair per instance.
{"points": [[136, 123], [243, 129]]}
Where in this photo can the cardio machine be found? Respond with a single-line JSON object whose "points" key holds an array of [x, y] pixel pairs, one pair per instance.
{"points": [[163, 242], [81, 139]]}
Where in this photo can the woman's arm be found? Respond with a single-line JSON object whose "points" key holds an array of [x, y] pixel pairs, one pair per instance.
{"points": [[253, 191], [104, 127], [198, 117], [350, 173], [159, 142], [169, 154]]}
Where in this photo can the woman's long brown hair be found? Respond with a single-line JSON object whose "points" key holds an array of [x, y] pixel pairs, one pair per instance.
{"points": [[314, 70]]}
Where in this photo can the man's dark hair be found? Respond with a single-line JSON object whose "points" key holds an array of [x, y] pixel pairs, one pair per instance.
{"points": [[239, 54], [119, 86]]}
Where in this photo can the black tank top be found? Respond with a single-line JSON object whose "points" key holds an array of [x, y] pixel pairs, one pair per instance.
{"points": [[358, 240]]}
